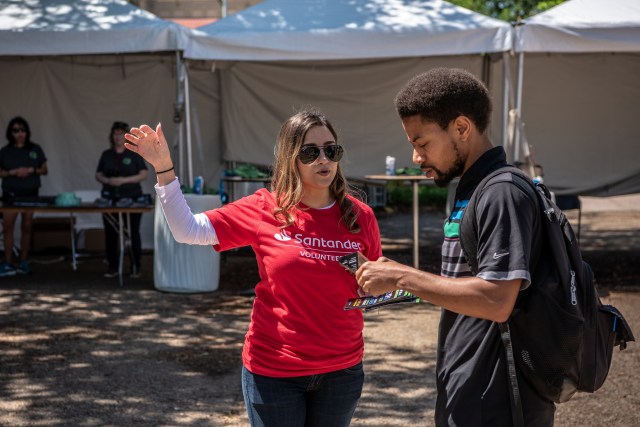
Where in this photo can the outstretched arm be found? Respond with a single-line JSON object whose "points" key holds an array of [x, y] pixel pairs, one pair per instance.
{"points": [[152, 146]]}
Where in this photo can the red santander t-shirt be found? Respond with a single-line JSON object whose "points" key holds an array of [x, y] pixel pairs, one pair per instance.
{"points": [[298, 325]]}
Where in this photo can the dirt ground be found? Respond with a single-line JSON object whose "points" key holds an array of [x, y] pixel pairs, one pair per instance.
{"points": [[78, 350]]}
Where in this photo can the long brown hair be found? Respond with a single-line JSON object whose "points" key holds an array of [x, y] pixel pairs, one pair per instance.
{"points": [[21, 122], [286, 182]]}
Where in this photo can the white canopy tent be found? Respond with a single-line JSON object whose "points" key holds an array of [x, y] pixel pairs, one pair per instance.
{"points": [[579, 90], [347, 58], [60, 27], [279, 30], [72, 68]]}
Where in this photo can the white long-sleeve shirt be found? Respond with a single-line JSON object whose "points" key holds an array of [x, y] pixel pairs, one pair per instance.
{"points": [[184, 225]]}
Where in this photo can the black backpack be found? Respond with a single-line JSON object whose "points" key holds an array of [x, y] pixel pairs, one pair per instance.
{"points": [[559, 337]]}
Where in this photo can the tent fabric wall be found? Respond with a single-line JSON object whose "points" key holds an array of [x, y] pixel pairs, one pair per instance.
{"points": [[580, 113], [72, 67], [580, 94], [71, 102], [357, 97], [348, 59], [206, 126]]}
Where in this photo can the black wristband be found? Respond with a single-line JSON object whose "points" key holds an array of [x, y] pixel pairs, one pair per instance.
{"points": [[168, 170]]}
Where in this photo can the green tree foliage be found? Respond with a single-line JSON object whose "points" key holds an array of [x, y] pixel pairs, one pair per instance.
{"points": [[508, 10], [400, 195]]}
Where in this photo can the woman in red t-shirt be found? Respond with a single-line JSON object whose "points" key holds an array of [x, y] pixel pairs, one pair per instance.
{"points": [[303, 353]]}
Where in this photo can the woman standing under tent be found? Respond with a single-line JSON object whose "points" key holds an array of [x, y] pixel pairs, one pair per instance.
{"points": [[22, 161], [302, 355], [120, 172]]}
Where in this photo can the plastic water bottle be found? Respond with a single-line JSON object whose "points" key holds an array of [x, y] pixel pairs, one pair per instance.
{"points": [[198, 185], [390, 166], [224, 198]]}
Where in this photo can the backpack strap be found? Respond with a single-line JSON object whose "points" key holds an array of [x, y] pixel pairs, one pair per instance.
{"points": [[517, 414], [468, 236], [468, 231]]}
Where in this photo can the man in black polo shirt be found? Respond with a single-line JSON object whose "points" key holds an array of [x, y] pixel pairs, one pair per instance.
{"points": [[445, 114]]}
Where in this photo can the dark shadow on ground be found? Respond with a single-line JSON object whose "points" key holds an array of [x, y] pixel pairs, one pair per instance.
{"points": [[400, 364], [78, 349]]}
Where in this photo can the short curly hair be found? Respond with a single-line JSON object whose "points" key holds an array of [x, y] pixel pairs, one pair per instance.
{"points": [[442, 94]]}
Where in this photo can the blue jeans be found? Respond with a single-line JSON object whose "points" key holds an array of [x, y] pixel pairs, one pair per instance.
{"points": [[325, 400]]}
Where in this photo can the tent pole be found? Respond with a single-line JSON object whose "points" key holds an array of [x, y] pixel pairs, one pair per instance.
{"points": [[518, 137], [178, 117], [223, 8], [187, 103]]}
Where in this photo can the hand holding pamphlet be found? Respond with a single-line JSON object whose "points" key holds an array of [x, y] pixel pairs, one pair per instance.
{"points": [[351, 262]]}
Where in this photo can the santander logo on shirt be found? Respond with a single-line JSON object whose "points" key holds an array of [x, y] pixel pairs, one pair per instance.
{"points": [[318, 242], [282, 236]]}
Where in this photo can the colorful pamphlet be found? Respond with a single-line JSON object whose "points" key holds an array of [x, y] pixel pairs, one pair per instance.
{"points": [[374, 302], [354, 260]]}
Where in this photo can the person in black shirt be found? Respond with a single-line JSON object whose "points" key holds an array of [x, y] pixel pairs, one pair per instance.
{"points": [[445, 114], [120, 171], [21, 163]]}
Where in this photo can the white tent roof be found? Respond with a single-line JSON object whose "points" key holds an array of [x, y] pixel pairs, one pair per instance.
{"points": [[583, 26], [63, 27], [336, 29]]}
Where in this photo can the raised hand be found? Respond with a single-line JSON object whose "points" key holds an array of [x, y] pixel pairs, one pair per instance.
{"points": [[151, 145]]}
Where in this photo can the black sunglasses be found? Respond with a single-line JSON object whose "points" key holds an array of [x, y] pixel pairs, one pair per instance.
{"points": [[18, 130], [309, 153]]}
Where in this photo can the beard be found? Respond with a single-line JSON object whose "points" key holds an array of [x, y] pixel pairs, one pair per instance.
{"points": [[443, 178]]}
